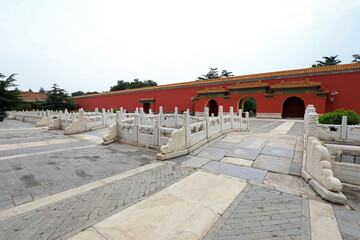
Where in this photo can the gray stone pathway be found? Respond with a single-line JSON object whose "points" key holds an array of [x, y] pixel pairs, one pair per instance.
{"points": [[263, 213], [71, 215], [273, 205]]}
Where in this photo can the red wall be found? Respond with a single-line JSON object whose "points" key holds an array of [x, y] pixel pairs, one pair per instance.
{"points": [[347, 84]]}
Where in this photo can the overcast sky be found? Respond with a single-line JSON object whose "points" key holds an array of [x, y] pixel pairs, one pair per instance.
{"points": [[89, 45]]}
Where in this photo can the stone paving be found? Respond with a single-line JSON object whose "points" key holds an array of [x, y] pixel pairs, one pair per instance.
{"points": [[36, 164], [55, 168], [73, 214]]}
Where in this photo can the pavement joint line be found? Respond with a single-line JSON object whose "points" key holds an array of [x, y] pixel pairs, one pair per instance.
{"points": [[22, 129], [284, 128], [45, 152], [323, 221], [91, 223], [206, 207], [264, 126], [226, 215], [74, 191]]}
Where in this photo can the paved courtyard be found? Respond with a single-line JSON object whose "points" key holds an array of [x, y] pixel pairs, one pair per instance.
{"points": [[240, 186]]}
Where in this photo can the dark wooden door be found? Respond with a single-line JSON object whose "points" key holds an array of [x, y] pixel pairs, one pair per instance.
{"points": [[293, 107], [213, 107], [146, 107]]}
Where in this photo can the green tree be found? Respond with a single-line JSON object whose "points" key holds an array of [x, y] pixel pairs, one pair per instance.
{"points": [[41, 90], [214, 73], [78, 93], [94, 92], [328, 61], [30, 90], [356, 58], [250, 105], [9, 99], [57, 99], [122, 85]]}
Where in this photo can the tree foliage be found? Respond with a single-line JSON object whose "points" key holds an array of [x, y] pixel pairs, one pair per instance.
{"points": [[356, 58], [80, 93], [9, 99], [328, 61], [214, 73], [41, 90], [250, 105], [336, 117], [122, 85], [57, 99]]}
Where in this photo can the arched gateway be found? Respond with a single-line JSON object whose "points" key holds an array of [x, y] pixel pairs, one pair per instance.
{"points": [[213, 107], [293, 107]]}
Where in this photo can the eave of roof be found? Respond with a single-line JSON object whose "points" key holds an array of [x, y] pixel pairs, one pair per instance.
{"points": [[262, 76]]}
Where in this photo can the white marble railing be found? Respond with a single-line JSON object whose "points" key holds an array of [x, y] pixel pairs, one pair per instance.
{"points": [[317, 165]]}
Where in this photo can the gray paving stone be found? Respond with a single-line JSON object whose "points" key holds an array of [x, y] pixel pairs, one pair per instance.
{"points": [[195, 162], [277, 151], [255, 213], [273, 163], [252, 142], [70, 215], [242, 172], [181, 159], [295, 168], [349, 222], [246, 153], [297, 129], [212, 153], [223, 144]]}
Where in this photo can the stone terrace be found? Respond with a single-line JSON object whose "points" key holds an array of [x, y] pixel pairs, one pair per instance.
{"points": [[240, 186]]}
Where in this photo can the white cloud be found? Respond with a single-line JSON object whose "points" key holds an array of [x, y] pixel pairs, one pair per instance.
{"points": [[88, 45]]}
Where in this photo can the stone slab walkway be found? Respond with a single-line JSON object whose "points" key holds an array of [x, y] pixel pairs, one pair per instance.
{"points": [[241, 186]]}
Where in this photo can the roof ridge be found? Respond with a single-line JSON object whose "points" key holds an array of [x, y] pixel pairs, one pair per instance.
{"points": [[332, 68]]}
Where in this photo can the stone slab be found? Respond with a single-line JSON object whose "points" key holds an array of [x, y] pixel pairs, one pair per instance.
{"points": [[195, 162], [273, 163], [223, 144], [89, 233], [195, 205], [252, 142], [246, 173], [238, 161], [289, 182], [323, 222], [278, 151], [211, 153], [211, 191], [283, 128], [181, 159], [295, 168], [245, 153]]}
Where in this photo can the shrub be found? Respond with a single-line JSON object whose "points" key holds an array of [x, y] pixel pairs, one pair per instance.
{"points": [[336, 117]]}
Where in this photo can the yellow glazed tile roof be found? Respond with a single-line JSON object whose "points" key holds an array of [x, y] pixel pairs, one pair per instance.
{"points": [[296, 84], [327, 69]]}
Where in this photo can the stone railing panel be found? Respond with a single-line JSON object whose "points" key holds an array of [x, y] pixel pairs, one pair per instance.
{"points": [[197, 132]]}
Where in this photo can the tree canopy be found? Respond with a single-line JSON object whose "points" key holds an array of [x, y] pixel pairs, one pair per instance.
{"points": [[41, 90], [356, 58], [332, 60], [122, 85], [214, 73], [9, 99], [57, 99], [80, 93]]}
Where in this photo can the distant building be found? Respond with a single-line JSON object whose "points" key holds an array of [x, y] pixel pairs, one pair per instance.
{"points": [[33, 96], [277, 94]]}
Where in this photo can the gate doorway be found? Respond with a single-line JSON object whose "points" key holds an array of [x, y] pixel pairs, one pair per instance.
{"points": [[247, 104], [213, 107], [293, 107], [146, 107]]}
